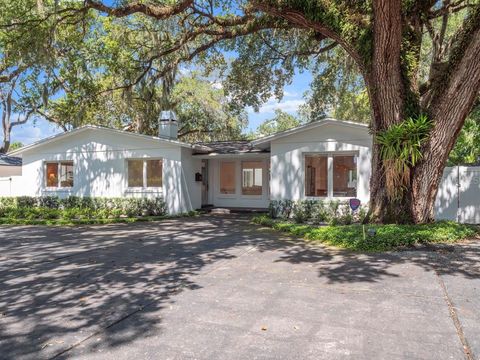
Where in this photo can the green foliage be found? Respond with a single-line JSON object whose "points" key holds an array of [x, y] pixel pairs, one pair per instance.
{"points": [[467, 147], [333, 212], [72, 207], [401, 149], [280, 122], [387, 237], [337, 89], [15, 145]]}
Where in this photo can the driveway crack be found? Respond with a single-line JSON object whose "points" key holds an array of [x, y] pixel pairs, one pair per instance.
{"points": [[456, 321]]}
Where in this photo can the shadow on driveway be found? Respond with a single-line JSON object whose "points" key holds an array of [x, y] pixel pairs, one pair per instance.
{"points": [[86, 291]]}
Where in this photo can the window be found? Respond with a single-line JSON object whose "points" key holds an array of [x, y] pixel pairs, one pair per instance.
{"points": [[227, 178], [252, 177], [344, 176], [316, 175], [59, 174], [135, 173], [145, 173], [154, 173], [342, 172]]}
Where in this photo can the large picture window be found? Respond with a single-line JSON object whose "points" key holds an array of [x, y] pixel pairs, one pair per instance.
{"points": [[342, 172], [145, 173], [316, 175], [344, 176], [59, 174], [252, 177], [227, 178]]}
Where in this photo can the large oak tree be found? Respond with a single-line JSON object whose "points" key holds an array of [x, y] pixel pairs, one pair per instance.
{"points": [[421, 116]]}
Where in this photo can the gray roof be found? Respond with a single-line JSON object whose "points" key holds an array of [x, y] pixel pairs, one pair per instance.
{"points": [[227, 147], [6, 160]]}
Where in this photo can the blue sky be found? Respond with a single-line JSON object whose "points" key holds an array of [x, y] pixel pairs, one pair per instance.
{"points": [[293, 98]]}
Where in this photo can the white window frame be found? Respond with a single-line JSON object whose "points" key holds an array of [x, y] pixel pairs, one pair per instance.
{"points": [[58, 162], [330, 156], [144, 187]]}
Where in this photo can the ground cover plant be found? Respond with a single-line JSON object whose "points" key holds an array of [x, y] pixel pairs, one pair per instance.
{"points": [[51, 210], [333, 223]]}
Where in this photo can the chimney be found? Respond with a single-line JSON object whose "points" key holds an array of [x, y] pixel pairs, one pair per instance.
{"points": [[168, 125]]}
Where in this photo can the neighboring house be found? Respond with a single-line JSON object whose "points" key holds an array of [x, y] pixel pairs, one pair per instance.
{"points": [[324, 159], [10, 165]]}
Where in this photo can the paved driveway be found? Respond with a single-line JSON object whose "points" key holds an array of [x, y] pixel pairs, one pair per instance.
{"points": [[220, 288]]}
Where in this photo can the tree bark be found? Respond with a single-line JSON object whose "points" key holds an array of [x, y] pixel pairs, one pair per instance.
{"points": [[448, 111], [386, 91]]}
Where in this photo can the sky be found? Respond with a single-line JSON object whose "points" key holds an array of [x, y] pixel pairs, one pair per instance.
{"points": [[293, 98]]}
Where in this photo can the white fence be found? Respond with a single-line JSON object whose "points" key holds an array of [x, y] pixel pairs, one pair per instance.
{"points": [[11, 186], [458, 195]]}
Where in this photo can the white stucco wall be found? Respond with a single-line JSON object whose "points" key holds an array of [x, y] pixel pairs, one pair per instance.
{"points": [[192, 190], [100, 166], [288, 165]]}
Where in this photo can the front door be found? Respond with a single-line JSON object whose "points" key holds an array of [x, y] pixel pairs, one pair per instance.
{"points": [[204, 182]]}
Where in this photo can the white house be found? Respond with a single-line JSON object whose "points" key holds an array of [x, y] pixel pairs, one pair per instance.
{"points": [[327, 159], [323, 159]]}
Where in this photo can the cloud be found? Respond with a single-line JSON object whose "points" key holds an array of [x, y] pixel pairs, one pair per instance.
{"points": [[30, 133], [287, 105]]}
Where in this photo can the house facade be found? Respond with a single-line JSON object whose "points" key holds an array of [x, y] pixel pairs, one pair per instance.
{"points": [[321, 160], [327, 159]]}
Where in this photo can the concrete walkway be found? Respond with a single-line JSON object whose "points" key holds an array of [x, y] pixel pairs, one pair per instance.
{"points": [[219, 288]]}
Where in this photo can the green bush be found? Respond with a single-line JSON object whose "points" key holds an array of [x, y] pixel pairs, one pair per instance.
{"points": [[332, 212], [280, 209], [73, 207], [387, 237]]}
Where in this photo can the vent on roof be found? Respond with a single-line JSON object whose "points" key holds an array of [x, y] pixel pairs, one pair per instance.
{"points": [[168, 125]]}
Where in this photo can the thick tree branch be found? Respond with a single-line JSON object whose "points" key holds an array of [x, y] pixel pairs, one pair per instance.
{"points": [[299, 20], [156, 11], [9, 77], [449, 8]]}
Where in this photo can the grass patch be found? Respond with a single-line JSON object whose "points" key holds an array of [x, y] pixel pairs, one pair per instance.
{"points": [[73, 222], [387, 237]]}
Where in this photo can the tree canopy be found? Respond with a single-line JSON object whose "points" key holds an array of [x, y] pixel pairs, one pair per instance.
{"points": [[371, 55]]}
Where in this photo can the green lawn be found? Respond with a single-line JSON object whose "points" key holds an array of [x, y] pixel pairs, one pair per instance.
{"points": [[63, 221], [387, 237]]}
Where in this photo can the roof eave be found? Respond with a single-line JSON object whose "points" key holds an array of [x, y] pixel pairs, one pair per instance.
{"points": [[307, 126], [90, 127]]}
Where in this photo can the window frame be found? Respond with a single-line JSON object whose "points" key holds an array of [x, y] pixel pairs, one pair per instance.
{"points": [[144, 186], [59, 167], [262, 167], [330, 155]]}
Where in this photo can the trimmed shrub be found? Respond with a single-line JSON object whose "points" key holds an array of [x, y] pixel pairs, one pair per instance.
{"points": [[73, 207], [331, 212]]}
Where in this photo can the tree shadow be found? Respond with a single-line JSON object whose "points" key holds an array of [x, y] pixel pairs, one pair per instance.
{"points": [[61, 285]]}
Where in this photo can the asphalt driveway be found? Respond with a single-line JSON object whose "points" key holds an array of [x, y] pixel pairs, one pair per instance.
{"points": [[219, 288]]}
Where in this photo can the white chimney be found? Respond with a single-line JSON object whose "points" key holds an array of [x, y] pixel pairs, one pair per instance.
{"points": [[168, 125]]}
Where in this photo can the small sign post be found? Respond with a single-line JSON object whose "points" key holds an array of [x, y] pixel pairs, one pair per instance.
{"points": [[354, 204]]}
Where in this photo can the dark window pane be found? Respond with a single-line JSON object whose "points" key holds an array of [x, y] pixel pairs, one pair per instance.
{"points": [[52, 175], [316, 175], [344, 176], [135, 173], [154, 173], [227, 178]]}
